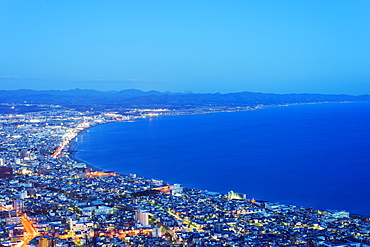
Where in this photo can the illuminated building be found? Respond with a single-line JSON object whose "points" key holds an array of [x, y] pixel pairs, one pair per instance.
{"points": [[96, 210], [18, 206], [45, 242], [234, 195], [142, 217], [336, 214], [157, 232], [157, 182], [15, 220], [176, 189]]}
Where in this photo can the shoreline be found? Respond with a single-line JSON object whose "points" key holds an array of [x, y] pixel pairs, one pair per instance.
{"points": [[72, 150], [72, 146]]}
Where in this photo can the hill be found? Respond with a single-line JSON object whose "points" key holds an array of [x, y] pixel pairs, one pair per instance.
{"points": [[137, 98]]}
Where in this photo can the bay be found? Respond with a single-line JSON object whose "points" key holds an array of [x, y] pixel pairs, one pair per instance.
{"points": [[313, 155]]}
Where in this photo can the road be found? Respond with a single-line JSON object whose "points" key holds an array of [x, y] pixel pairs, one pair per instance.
{"points": [[30, 231]]}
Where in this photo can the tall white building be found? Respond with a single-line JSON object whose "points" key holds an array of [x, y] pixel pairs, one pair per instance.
{"points": [[142, 217], [157, 232], [18, 205]]}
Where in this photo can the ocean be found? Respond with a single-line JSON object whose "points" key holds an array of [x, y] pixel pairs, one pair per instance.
{"points": [[314, 155]]}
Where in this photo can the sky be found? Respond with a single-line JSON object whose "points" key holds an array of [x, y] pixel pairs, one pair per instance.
{"points": [[202, 46]]}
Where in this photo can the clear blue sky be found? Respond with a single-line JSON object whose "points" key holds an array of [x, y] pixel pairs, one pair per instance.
{"points": [[285, 46]]}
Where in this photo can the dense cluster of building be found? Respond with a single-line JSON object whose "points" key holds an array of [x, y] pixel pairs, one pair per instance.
{"points": [[49, 199]]}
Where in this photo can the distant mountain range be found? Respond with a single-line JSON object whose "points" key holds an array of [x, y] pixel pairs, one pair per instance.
{"points": [[133, 97]]}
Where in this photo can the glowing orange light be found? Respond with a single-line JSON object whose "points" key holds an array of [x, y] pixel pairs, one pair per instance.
{"points": [[100, 174], [30, 231], [5, 207], [164, 189]]}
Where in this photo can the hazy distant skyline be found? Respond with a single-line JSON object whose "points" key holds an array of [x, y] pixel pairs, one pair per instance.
{"points": [[266, 46]]}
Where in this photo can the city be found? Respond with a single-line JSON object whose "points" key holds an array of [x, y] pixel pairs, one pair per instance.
{"points": [[48, 198]]}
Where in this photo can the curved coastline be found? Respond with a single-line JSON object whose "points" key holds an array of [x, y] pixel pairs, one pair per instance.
{"points": [[73, 148], [73, 144]]}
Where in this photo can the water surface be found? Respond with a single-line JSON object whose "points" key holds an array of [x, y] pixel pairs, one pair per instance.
{"points": [[306, 155]]}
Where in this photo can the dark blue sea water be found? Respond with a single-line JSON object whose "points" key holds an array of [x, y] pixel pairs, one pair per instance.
{"points": [[306, 155]]}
